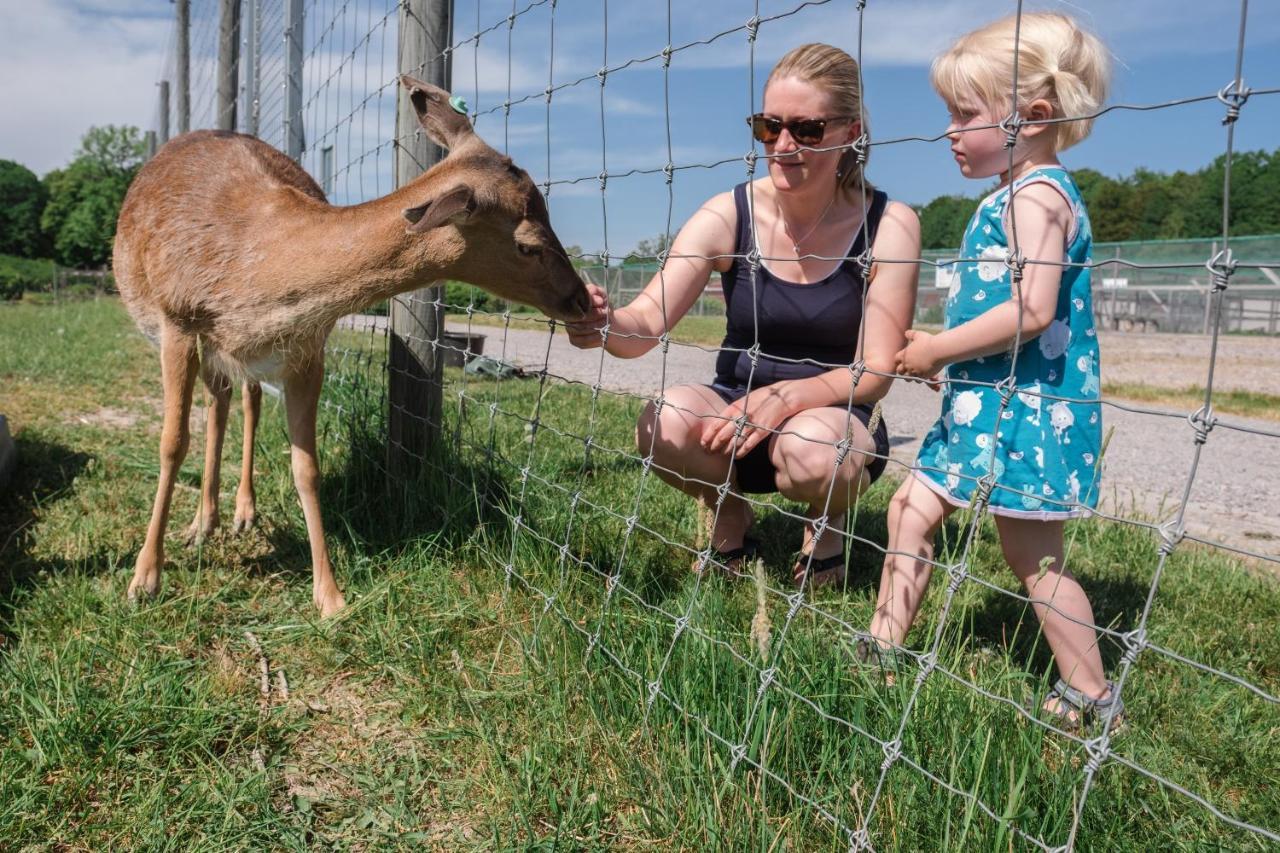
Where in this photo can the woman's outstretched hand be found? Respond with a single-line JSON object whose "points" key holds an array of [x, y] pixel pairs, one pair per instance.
{"points": [[585, 333], [766, 410]]}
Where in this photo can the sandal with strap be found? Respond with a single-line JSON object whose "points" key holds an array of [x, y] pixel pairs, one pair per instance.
{"points": [[1075, 710], [820, 572], [729, 563]]}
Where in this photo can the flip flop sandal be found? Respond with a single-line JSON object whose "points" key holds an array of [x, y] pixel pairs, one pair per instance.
{"points": [[889, 660], [729, 563], [821, 572], [1076, 711]]}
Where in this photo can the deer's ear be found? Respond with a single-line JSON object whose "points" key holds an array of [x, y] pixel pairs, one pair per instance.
{"points": [[455, 207], [444, 125]]}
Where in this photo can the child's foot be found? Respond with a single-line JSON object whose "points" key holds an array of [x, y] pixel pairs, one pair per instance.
{"points": [[1073, 711], [827, 564]]}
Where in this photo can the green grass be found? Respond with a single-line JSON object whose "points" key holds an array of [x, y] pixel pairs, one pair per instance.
{"points": [[453, 707], [1253, 404]]}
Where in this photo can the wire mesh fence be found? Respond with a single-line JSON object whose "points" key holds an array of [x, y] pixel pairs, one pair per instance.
{"points": [[592, 555]]}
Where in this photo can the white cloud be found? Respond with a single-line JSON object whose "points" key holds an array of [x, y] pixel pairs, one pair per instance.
{"points": [[66, 70]]}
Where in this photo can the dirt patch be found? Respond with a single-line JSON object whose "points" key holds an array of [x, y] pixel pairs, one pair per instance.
{"points": [[1243, 363], [110, 417]]}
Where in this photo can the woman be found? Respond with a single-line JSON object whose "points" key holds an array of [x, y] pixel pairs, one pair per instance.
{"points": [[787, 249]]}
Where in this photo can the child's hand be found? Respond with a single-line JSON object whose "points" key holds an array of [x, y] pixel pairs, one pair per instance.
{"points": [[917, 358], [585, 332]]}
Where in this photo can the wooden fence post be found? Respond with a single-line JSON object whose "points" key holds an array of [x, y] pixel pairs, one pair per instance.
{"points": [[414, 365], [182, 10], [228, 63]]}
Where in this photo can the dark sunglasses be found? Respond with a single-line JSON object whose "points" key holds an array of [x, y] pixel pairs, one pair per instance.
{"points": [[805, 131]]}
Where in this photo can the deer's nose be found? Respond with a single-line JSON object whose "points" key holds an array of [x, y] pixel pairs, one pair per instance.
{"points": [[577, 303]]}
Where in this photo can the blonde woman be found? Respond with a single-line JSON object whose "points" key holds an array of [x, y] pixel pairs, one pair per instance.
{"points": [[807, 304]]}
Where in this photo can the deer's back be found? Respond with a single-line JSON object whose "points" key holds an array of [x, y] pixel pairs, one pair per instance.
{"points": [[199, 214]]}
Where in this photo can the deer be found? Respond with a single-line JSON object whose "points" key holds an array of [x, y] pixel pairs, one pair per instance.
{"points": [[228, 256]]}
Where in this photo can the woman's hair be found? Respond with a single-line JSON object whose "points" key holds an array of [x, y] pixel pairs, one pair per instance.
{"points": [[836, 73], [1057, 61]]}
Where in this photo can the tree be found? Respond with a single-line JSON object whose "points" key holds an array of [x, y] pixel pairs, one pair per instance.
{"points": [[943, 220], [85, 197], [22, 201], [646, 251]]}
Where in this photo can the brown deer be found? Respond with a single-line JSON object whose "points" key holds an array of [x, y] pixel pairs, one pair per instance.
{"points": [[228, 256]]}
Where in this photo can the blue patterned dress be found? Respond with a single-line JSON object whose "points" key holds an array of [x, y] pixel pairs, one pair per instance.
{"points": [[1046, 451]]}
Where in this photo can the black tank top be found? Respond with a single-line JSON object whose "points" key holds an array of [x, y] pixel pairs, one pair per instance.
{"points": [[803, 329]]}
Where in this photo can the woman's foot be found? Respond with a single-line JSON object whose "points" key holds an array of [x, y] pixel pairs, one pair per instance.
{"points": [[827, 564], [731, 548]]}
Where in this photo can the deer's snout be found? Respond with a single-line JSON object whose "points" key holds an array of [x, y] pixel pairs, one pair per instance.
{"points": [[576, 304]]}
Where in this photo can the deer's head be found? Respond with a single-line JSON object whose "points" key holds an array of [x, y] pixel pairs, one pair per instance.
{"points": [[507, 244]]}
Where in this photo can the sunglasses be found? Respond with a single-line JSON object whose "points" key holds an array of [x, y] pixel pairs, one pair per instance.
{"points": [[805, 131]]}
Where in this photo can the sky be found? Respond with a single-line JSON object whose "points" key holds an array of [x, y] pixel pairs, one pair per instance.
{"points": [[71, 64]]}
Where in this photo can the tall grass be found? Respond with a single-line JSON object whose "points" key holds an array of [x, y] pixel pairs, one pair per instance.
{"points": [[484, 689]]}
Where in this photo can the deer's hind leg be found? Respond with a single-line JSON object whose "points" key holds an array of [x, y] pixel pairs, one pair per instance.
{"points": [[246, 501], [179, 363], [215, 431]]}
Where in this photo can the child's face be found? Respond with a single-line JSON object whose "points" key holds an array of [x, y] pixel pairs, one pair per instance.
{"points": [[979, 153]]}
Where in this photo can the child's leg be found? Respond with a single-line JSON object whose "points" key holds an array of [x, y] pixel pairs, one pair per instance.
{"points": [[915, 513], [1074, 645]]}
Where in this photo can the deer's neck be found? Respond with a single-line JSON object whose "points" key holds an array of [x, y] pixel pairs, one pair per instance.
{"points": [[345, 259]]}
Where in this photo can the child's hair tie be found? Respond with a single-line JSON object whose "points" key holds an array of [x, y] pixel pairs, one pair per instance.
{"points": [[458, 103]]}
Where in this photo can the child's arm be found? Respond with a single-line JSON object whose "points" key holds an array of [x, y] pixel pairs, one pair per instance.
{"points": [[1044, 219]]}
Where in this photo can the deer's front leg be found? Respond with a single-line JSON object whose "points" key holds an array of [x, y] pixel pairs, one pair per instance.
{"points": [[215, 430], [302, 395], [246, 504], [178, 365]]}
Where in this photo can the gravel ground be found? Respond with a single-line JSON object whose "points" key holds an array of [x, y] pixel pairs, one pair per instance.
{"points": [[1149, 456]]}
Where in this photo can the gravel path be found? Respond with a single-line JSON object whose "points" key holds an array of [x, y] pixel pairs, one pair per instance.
{"points": [[1148, 458]]}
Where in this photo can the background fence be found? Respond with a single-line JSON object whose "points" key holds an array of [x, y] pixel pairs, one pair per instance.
{"points": [[318, 80]]}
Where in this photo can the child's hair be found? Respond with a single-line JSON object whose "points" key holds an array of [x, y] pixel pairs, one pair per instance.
{"points": [[836, 73], [1057, 61]]}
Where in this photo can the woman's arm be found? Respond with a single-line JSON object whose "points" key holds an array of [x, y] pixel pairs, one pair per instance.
{"points": [[703, 246], [887, 312], [1044, 219]]}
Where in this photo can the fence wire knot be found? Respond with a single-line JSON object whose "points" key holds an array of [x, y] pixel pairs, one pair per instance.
{"points": [[860, 840], [1233, 95], [927, 663], [602, 75], [680, 624], [1171, 534], [860, 147], [666, 56], [1202, 420], [864, 262], [892, 752], [646, 464], [1134, 641], [794, 601], [956, 572], [654, 687], [1099, 750], [603, 178], [1006, 387], [751, 157], [753, 27], [669, 169], [767, 677], [547, 603], [739, 753], [1016, 263], [1012, 126], [1221, 267]]}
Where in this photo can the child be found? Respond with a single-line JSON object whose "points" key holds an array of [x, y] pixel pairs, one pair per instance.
{"points": [[1041, 465]]}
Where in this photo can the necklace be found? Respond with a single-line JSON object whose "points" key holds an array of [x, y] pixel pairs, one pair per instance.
{"points": [[795, 242]]}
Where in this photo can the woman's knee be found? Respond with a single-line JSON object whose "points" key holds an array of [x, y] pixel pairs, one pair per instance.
{"points": [[666, 425]]}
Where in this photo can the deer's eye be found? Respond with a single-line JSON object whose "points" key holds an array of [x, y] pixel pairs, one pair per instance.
{"points": [[528, 249]]}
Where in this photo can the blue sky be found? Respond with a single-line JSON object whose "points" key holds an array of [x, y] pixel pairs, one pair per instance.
{"points": [[68, 65]]}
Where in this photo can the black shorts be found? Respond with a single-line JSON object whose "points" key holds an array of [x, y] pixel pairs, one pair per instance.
{"points": [[755, 471]]}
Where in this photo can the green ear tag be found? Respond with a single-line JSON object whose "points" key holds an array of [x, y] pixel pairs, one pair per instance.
{"points": [[458, 104]]}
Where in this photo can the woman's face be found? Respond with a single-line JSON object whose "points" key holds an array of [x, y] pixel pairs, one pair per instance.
{"points": [[788, 99]]}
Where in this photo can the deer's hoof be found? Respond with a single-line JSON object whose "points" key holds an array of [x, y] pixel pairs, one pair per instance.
{"points": [[328, 603], [143, 586], [199, 531], [243, 522]]}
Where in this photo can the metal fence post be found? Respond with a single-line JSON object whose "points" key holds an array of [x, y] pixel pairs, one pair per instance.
{"points": [[183, 26], [293, 35], [250, 26], [414, 366], [228, 63], [164, 111]]}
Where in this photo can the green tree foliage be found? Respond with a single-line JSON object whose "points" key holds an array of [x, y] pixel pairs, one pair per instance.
{"points": [[1148, 205], [85, 197], [22, 201]]}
